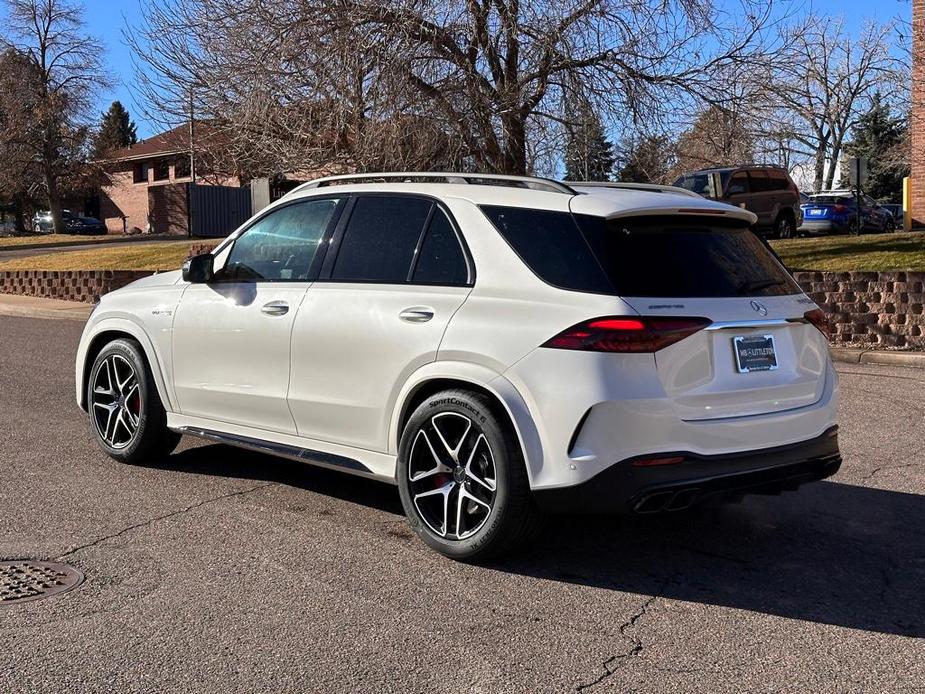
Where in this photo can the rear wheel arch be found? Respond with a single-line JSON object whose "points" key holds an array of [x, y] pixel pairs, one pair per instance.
{"points": [[513, 415]]}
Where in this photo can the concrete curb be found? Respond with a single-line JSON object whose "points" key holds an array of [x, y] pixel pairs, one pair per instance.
{"points": [[847, 355], [33, 307]]}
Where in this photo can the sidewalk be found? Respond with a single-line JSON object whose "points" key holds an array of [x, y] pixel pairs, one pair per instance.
{"points": [[34, 307]]}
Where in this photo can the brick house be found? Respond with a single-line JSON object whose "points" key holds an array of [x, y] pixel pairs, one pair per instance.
{"points": [[147, 183]]}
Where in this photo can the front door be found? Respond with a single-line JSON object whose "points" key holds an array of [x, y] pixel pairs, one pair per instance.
{"points": [[231, 348], [376, 315]]}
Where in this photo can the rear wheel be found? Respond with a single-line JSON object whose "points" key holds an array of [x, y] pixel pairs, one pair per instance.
{"points": [[126, 413], [889, 226], [462, 478], [784, 227]]}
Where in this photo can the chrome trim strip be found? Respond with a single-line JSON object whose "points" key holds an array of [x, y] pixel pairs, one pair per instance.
{"points": [[761, 323], [303, 455]]}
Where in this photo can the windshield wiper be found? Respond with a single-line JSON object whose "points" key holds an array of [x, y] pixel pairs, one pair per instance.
{"points": [[755, 285]]}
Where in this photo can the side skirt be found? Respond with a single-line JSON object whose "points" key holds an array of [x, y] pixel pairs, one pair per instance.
{"points": [[331, 461]]}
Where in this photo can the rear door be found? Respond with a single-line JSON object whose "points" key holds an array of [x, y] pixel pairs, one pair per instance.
{"points": [[395, 276], [684, 267], [762, 198]]}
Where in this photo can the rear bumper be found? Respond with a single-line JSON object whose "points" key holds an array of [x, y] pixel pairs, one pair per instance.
{"points": [[626, 488], [824, 226]]}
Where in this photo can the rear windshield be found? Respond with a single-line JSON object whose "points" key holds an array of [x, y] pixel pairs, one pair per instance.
{"points": [[831, 200], [700, 183], [676, 256]]}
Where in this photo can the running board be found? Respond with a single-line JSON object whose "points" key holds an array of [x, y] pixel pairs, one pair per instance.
{"points": [[304, 455]]}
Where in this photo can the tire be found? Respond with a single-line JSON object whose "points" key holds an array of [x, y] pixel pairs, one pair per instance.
{"points": [[784, 227], [127, 417], [889, 226], [438, 486]]}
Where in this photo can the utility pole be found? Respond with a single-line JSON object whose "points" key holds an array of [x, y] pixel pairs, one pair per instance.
{"points": [[192, 139]]}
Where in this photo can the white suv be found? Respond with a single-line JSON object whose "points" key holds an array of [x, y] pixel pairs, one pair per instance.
{"points": [[495, 346]]}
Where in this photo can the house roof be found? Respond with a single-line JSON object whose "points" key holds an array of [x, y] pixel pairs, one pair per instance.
{"points": [[174, 141]]}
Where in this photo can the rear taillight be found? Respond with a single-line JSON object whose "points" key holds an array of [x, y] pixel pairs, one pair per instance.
{"points": [[627, 334], [818, 318], [840, 209]]}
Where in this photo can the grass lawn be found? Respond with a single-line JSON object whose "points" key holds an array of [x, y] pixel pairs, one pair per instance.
{"points": [[869, 252], [43, 239], [129, 256]]}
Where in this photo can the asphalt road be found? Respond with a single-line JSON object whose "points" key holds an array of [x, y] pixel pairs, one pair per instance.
{"points": [[227, 571]]}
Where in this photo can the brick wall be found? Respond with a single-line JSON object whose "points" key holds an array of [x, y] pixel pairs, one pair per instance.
{"points": [[917, 115], [203, 247], [123, 204], [870, 309], [71, 285]]}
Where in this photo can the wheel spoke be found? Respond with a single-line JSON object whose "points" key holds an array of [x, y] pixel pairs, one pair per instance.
{"points": [[453, 451], [488, 482], [463, 497], [444, 491], [114, 390], [438, 464]]}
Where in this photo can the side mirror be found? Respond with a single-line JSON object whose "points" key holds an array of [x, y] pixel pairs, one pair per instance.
{"points": [[198, 269]]}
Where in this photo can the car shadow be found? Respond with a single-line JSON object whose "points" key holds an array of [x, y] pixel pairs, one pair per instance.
{"points": [[830, 553]]}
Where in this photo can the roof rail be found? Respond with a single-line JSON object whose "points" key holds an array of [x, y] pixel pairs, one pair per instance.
{"points": [[530, 182], [628, 185]]}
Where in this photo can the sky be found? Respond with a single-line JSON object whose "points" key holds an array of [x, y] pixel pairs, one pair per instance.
{"points": [[107, 19]]}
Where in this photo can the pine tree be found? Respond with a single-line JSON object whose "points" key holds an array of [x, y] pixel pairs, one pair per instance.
{"points": [[882, 139], [648, 159], [116, 130], [588, 152]]}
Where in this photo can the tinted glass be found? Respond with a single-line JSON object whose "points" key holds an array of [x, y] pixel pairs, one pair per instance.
{"points": [[778, 180], [738, 179], [832, 200], [700, 183], [683, 258], [551, 245], [380, 239], [281, 245], [441, 260], [758, 182]]}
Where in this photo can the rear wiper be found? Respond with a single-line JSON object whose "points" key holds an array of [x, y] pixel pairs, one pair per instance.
{"points": [[755, 285]]}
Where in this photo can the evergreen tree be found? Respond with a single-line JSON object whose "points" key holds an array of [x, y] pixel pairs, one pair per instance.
{"points": [[116, 130], [882, 139], [588, 153], [648, 159]]}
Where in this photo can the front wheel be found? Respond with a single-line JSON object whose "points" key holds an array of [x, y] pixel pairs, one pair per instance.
{"points": [[126, 413], [462, 478]]}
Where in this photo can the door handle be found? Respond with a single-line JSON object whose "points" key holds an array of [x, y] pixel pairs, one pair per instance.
{"points": [[417, 314], [275, 308]]}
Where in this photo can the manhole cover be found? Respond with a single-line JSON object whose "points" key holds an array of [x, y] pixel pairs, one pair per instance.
{"points": [[23, 580]]}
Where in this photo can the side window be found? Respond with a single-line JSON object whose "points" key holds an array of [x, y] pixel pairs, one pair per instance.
{"points": [[778, 180], [281, 245], [552, 246], [441, 260], [758, 182], [380, 239], [738, 183]]}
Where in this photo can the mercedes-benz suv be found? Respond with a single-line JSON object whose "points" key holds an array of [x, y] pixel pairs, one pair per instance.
{"points": [[497, 347]]}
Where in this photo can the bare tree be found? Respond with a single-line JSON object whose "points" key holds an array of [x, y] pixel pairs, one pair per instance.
{"points": [[472, 82], [826, 86], [66, 68]]}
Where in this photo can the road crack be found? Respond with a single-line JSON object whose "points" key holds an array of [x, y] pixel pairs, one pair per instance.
{"points": [[615, 662], [172, 514]]}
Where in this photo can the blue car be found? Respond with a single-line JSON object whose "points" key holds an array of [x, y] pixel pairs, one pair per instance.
{"points": [[836, 213]]}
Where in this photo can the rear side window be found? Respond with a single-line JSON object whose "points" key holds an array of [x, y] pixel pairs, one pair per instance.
{"points": [[441, 259], [552, 246], [683, 257], [778, 179], [759, 182], [380, 239]]}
